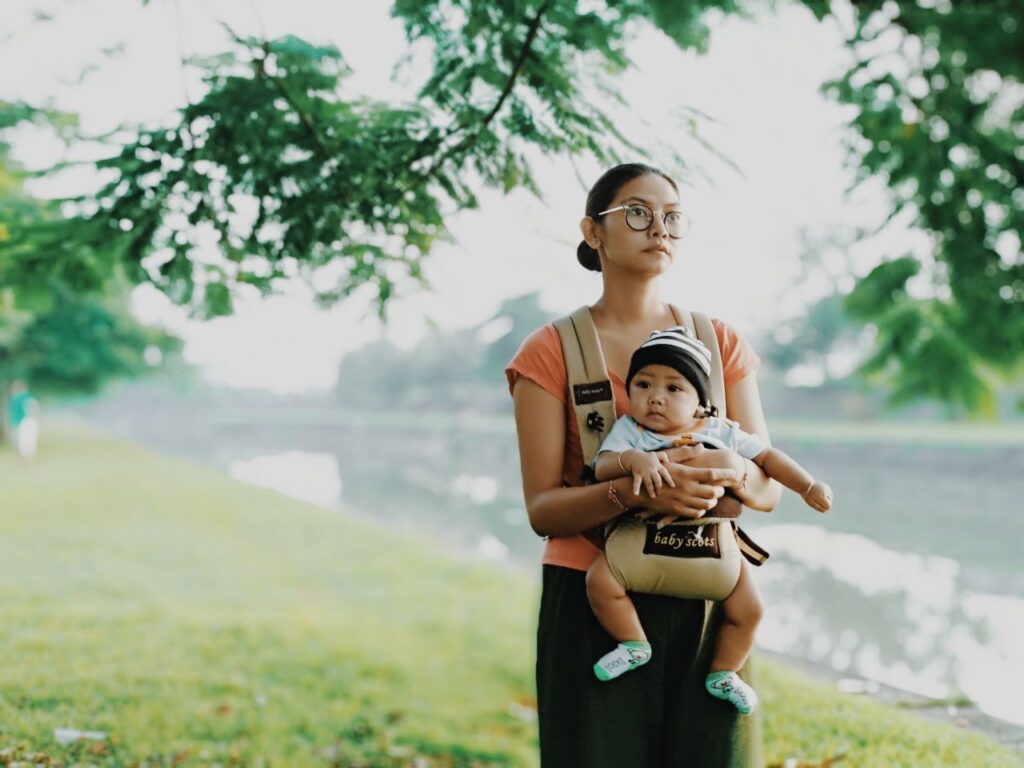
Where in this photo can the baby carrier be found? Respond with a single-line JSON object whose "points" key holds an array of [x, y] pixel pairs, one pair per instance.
{"points": [[687, 558]]}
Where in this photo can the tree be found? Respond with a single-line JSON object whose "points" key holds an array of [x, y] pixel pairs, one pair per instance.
{"points": [[51, 336], [294, 175], [517, 318]]}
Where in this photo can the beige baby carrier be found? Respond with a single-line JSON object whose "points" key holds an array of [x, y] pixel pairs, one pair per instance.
{"points": [[687, 558]]}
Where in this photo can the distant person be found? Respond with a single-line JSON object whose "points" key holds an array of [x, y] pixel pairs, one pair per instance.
{"points": [[23, 415], [670, 405]]}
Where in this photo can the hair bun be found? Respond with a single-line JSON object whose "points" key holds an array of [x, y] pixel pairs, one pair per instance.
{"points": [[588, 257]]}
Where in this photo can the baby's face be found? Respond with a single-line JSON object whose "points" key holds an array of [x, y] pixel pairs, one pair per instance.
{"points": [[662, 400]]}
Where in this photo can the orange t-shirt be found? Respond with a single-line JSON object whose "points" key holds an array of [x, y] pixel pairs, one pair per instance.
{"points": [[540, 359]]}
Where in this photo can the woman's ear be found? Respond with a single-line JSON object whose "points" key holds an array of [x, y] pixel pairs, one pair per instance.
{"points": [[590, 232]]}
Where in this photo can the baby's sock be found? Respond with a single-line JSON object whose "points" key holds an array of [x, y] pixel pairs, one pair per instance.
{"points": [[627, 655], [727, 685]]}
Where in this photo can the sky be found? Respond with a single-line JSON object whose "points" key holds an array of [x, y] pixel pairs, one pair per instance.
{"points": [[759, 83]]}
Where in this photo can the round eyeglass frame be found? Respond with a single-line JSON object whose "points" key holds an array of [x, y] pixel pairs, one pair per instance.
{"points": [[684, 220]]}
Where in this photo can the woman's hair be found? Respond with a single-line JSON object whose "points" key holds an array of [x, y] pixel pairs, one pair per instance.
{"points": [[601, 196]]}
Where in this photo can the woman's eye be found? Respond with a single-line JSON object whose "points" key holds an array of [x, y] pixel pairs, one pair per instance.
{"points": [[636, 210], [673, 217]]}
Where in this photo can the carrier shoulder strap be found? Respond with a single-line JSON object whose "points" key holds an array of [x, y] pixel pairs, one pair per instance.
{"points": [[701, 325], [589, 386]]}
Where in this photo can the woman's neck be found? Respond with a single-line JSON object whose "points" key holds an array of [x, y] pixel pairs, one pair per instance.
{"points": [[625, 302]]}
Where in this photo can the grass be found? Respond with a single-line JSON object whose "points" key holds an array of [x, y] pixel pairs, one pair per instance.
{"points": [[201, 622]]}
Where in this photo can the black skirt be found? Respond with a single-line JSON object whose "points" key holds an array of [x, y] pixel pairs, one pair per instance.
{"points": [[657, 716]]}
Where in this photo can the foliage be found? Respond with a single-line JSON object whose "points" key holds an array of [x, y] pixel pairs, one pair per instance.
{"points": [[82, 341], [51, 335], [940, 117], [812, 338], [290, 174]]}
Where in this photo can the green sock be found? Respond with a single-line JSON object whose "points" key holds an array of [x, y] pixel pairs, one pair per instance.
{"points": [[727, 685], [626, 656], [640, 645]]}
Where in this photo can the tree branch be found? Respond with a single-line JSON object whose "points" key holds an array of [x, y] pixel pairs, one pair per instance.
{"points": [[261, 72], [531, 34]]}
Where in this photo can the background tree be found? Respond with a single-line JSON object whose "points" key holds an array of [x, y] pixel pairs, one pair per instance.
{"points": [[515, 319], [293, 174], [56, 339]]}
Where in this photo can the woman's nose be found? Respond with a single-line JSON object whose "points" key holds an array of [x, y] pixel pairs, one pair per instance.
{"points": [[657, 228]]}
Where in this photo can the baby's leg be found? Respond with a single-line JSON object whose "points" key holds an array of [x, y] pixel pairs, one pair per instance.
{"points": [[742, 613], [611, 604], [617, 614]]}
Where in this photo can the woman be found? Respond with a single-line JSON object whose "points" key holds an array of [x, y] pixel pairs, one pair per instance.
{"points": [[660, 715]]}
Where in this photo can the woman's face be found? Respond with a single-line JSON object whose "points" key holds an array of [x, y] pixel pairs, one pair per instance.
{"points": [[650, 250]]}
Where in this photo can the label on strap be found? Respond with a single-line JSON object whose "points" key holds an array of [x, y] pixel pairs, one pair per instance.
{"points": [[682, 541], [583, 394]]}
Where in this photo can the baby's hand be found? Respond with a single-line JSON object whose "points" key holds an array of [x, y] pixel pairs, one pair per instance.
{"points": [[819, 496], [649, 471]]}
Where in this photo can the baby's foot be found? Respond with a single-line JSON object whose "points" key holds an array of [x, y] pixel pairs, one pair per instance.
{"points": [[727, 685], [625, 657]]}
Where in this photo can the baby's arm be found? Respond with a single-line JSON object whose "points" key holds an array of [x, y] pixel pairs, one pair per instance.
{"points": [[781, 467], [647, 467], [607, 466]]}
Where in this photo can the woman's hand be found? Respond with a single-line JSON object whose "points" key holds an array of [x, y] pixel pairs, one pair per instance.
{"points": [[721, 458], [695, 490]]}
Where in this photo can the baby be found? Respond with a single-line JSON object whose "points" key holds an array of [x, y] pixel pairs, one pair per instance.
{"points": [[669, 405]]}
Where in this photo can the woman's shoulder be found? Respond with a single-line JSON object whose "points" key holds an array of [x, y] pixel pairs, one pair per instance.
{"points": [[539, 358], [739, 359]]}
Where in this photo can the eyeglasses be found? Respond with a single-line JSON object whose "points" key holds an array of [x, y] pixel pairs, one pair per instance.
{"points": [[640, 217]]}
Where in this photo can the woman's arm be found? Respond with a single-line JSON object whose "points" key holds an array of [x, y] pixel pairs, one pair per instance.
{"points": [[743, 403], [557, 511], [552, 509]]}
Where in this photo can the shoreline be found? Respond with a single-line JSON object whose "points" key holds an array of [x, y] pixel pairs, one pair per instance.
{"points": [[957, 713]]}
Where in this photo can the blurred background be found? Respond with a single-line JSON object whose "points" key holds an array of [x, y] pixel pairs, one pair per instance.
{"points": [[295, 244]]}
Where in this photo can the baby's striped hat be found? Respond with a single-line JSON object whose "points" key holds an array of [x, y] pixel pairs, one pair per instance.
{"points": [[677, 348]]}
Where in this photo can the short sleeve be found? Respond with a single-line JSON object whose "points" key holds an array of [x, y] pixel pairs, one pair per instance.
{"points": [[539, 359], [747, 445], [738, 358], [621, 437]]}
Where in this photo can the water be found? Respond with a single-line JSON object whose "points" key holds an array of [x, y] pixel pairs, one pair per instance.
{"points": [[900, 618], [912, 580]]}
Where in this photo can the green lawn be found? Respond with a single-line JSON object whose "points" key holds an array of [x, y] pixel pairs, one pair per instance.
{"points": [[203, 622]]}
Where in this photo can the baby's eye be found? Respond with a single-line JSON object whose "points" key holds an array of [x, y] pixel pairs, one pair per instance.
{"points": [[643, 384], [674, 388]]}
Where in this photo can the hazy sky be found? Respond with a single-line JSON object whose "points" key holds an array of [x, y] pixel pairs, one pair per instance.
{"points": [[759, 82]]}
